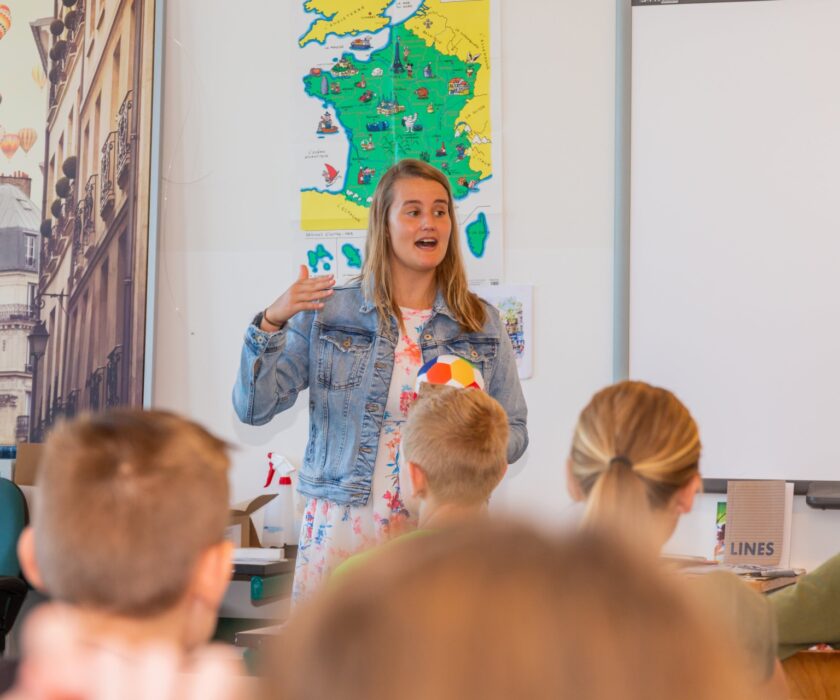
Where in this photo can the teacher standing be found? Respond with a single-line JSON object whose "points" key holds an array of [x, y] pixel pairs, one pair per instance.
{"points": [[358, 348]]}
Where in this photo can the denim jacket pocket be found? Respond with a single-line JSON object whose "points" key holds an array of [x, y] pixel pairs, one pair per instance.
{"points": [[480, 351], [343, 356]]}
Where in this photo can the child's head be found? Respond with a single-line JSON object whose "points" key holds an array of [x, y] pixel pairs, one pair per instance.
{"points": [[498, 611], [132, 507], [450, 272], [454, 446], [635, 453]]}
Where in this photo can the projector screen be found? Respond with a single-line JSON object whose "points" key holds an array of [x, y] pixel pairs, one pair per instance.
{"points": [[734, 246]]}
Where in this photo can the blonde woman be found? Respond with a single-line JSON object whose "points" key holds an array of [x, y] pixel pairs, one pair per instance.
{"points": [[358, 348], [635, 461]]}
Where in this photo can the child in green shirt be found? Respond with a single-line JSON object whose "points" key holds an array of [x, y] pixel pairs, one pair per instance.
{"points": [[453, 454]]}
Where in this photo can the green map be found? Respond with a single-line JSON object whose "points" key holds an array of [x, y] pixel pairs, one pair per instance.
{"points": [[383, 80], [477, 233], [353, 256], [319, 255], [402, 102]]}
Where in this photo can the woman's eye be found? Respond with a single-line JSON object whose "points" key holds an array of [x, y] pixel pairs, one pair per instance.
{"points": [[412, 212], [441, 212]]}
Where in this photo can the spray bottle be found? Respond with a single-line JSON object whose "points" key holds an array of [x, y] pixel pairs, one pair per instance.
{"points": [[279, 513]]}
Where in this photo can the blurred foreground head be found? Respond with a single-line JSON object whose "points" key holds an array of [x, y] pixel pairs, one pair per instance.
{"points": [[129, 503], [500, 612], [635, 460]]}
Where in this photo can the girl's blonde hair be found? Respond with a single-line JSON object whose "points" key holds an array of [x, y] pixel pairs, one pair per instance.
{"points": [[634, 447], [450, 275]]}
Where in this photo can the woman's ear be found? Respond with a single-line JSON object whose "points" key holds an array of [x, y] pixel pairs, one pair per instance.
{"points": [[572, 484], [684, 497]]}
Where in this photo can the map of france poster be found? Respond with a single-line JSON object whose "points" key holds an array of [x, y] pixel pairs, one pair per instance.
{"points": [[382, 80]]}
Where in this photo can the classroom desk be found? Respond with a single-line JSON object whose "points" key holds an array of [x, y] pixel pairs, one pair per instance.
{"points": [[690, 567], [813, 675], [255, 638], [269, 588], [770, 585], [260, 591], [259, 595]]}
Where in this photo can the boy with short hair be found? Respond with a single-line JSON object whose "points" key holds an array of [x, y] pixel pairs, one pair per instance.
{"points": [[129, 525], [453, 454]]}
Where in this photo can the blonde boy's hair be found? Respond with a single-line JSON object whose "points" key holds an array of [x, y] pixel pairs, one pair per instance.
{"points": [[128, 500], [458, 437], [451, 275]]}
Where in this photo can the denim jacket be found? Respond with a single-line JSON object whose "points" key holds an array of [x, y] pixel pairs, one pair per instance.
{"points": [[346, 358]]}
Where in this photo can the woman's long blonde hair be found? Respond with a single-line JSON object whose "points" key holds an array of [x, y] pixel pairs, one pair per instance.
{"points": [[634, 447], [450, 275]]}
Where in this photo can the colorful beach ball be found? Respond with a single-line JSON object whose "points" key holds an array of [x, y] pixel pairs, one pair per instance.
{"points": [[450, 370]]}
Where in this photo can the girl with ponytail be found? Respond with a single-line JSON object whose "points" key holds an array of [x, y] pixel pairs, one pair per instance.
{"points": [[635, 462]]}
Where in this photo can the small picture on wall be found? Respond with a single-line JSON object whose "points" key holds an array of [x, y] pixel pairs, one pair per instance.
{"points": [[515, 304]]}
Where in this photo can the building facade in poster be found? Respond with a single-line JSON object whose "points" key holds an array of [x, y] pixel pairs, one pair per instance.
{"points": [[91, 295], [20, 219]]}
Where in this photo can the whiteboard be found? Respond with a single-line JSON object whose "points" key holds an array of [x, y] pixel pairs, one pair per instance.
{"points": [[734, 249]]}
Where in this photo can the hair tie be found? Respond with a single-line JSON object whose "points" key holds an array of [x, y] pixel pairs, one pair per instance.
{"points": [[621, 462]]}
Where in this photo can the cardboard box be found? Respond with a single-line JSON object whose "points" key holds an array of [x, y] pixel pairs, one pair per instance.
{"points": [[26, 463], [241, 530]]}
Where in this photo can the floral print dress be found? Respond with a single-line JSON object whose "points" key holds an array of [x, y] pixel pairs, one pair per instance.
{"points": [[330, 531]]}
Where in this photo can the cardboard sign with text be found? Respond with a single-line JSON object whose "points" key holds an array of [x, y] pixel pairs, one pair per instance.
{"points": [[758, 517]]}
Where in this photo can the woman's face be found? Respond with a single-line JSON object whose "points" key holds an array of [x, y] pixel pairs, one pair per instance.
{"points": [[419, 225]]}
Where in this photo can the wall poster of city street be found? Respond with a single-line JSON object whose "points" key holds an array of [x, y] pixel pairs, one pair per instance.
{"points": [[76, 141]]}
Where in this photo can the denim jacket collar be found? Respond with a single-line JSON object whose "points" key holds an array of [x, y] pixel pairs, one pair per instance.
{"points": [[438, 307]]}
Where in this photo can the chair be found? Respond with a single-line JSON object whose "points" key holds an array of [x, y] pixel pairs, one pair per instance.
{"points": [[813, 675], [14, 516]]}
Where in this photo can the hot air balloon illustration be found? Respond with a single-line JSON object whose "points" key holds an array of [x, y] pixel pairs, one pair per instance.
{"points": [[9, 144], [39, 77], [5, 20], [27, 137]]}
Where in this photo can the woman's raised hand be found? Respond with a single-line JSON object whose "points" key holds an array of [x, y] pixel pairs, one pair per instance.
{"points": [[306, 294]]}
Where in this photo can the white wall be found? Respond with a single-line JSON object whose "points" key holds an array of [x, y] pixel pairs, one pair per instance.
{"points": [[228, 187], [226, 195]]}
